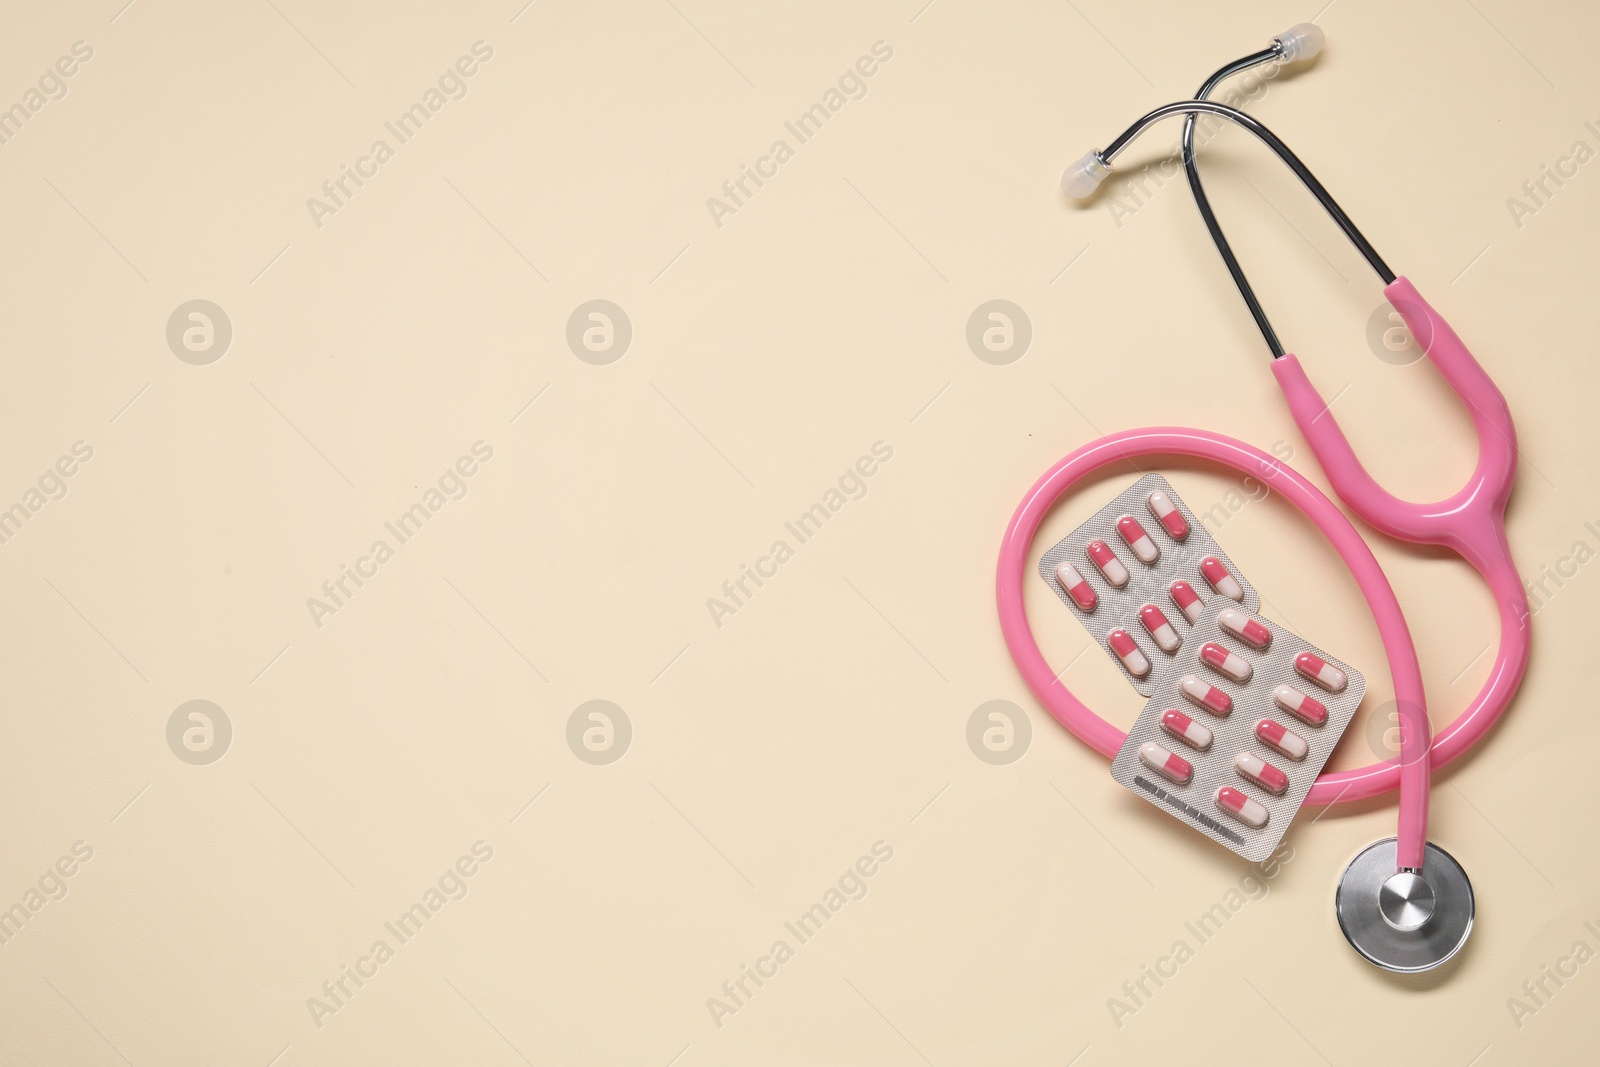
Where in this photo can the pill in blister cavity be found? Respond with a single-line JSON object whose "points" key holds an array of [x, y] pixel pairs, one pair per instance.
{"points": [[1281, 739], [1261, 772], [1307, 709], [1185, 729], [1139, 541], [1128, 652], [1220, 579], [1074, 585], [1169, 765], [1188, 600], [1170, 518], [1110, 566], [1244, 628], [1161, 631], [1220, 659], [1241, 807], [1319, 671], [1197, 692]]}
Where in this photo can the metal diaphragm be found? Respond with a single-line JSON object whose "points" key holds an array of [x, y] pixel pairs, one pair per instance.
{"points": [[1401, 920]]}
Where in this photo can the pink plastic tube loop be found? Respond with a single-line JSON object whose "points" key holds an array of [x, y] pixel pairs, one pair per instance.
{"points": [[1105, 738]]}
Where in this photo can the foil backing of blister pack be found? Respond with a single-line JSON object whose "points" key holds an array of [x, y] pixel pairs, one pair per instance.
{"points": [[1194, 802]]}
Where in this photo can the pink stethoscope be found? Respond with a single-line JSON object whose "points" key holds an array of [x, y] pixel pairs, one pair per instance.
{"points": [[1404, 903]]}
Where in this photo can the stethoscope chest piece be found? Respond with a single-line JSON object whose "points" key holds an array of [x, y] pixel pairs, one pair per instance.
{"points": [[1406, 921]]}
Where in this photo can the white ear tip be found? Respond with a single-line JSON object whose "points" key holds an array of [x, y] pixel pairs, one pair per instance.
{"points": [[1084, 176], [1301, 41]]}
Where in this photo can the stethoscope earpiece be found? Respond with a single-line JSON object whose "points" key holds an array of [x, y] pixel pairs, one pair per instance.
{"points": [[1404, 920], [1299, 42], [1084, 176]]}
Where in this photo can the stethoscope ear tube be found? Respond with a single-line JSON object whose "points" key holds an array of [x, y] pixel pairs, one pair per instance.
{"points": [[1471, 520]]}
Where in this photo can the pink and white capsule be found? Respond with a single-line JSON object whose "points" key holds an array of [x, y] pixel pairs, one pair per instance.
{"points": [[1161, 631], [1202, 695], [1185, 729], [1220, 579], [1188, 600], [1129, 529], [1110, 566], [1220, 659], [1170, 765], [1122, 644], [1073, 584], [1241, 807], [1314, 668], [1307, 709], [1244, 628], [1170, 518], [1281, 739], [1261, 772]]}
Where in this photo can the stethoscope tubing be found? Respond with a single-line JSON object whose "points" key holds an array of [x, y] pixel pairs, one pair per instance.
{"points": [[1409, 772]]}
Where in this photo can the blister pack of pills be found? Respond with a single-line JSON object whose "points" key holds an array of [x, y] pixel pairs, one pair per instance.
{"points": [[1242, 713]]}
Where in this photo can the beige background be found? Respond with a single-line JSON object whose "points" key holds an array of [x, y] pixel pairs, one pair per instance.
{"points": [[768, 354]]}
